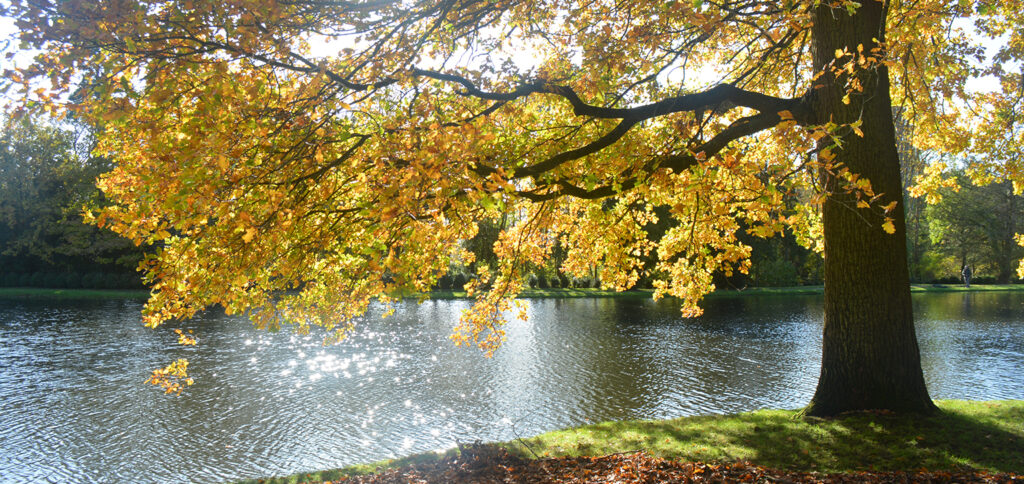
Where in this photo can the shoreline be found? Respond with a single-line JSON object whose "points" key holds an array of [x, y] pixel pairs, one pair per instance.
{"points": [[977, 435], [32, 292]]}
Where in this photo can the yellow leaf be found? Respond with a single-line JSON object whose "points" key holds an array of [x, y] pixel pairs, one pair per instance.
{"points": [[839, 53], [249, 235], [889, 227]]}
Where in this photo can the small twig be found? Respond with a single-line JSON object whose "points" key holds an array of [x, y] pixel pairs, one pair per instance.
{"points": [[523, 442]]}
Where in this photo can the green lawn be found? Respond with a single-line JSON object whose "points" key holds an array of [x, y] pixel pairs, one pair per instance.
{"points": [[750, 291], [979, 435], [34, 292], [529, 293]]}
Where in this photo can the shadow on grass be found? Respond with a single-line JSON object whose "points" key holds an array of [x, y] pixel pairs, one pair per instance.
{"points": [[977, 435], [955, 439]]}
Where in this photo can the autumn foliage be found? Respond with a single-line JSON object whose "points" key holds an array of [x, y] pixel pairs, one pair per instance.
{"points": [[295, 160], [479, 464]]}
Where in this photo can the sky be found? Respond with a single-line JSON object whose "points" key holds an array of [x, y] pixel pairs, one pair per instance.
{"points": [[523, 57]]}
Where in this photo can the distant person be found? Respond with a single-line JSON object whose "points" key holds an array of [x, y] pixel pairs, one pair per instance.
{"points": [[967, 275]]}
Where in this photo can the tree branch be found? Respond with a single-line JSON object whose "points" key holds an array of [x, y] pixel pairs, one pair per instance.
{"points": [[740, 128]]}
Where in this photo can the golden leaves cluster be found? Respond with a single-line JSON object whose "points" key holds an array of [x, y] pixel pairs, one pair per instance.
{"points": [[296, 189], [173, 378]]}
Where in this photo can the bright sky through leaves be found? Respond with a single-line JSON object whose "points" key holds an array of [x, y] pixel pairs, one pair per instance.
{"points": [[298, 188]]}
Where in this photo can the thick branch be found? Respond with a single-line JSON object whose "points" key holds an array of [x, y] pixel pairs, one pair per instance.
{"points": [[741, 128], [597, 145], [714, 97]]}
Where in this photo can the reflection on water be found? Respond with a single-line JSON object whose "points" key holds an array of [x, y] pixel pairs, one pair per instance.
{"points": [[73, 408]]}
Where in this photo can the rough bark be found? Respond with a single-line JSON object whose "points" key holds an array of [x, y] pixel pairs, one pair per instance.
{"points": [[870, 357]]}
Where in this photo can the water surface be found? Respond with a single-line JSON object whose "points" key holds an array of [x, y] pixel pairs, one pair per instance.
{"points": [[73, 408]]}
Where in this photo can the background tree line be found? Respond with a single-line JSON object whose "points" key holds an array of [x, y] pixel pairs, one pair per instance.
{"points": [[47, 177], [972, 225]]}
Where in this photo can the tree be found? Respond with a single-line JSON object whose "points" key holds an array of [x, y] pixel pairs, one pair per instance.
{"points": [[976, 225], [262, 166], [46, 178], [913, 161]]}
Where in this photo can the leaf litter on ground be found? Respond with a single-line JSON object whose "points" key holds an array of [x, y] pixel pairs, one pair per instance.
{"points": [[491, 464]]}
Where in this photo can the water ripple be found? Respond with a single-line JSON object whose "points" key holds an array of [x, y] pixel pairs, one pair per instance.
{"points": [[73, 407]]}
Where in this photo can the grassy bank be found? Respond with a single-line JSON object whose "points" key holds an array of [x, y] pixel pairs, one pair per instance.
{"points": [[979, 435], [557, 293], [529, 293], [750, 291], [34, 292]]}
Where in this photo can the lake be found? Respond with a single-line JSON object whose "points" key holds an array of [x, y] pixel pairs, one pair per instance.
{"points": [[73, 406]]}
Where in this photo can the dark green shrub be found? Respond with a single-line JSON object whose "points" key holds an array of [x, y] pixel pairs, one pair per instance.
{"points": [[92, 280], [106, 281], [73, 280], [23, 279], [38, 279], [113, 280], [131, 281], [53, 280], [813, 271], [581, 282], [542, 282], [459, 282], [774, 273], [445, 282], [556, 283]]}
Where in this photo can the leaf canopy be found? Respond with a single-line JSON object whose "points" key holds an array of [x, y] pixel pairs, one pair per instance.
{"points": [[296, 159]]}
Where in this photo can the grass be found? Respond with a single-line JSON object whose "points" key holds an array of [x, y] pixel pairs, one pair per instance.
{"points": [[979, 435], [557, 293], [961, 288], [982, 435], [528, 293], [750, 291], [34, 292], [796, 290]]}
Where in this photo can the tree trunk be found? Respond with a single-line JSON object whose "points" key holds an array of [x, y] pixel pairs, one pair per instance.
{"points": [[870, 358], [1006, 247]]}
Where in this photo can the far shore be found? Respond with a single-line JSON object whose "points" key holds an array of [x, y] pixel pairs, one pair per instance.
{"points": [[553, 293]]}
